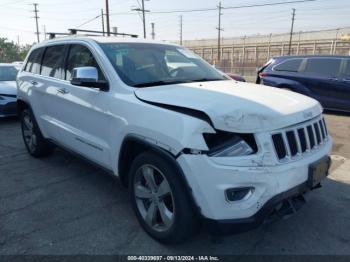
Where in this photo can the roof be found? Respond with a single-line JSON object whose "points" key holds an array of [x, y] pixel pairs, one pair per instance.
{"points": [[309, 56], [103, 39]]}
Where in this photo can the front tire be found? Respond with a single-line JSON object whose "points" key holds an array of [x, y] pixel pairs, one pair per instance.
{"points": [[160, 200], [35, 143]]}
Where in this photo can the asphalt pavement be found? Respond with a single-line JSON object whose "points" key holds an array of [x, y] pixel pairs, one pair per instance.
{"points": [[63, 205]]}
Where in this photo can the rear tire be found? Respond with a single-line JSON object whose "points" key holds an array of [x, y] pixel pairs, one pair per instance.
{"points": [[35, 143], [160, 199]]}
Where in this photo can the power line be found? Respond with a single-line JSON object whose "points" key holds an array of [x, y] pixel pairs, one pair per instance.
{"points": [[230, 7], [88, 21], [12, 2]]}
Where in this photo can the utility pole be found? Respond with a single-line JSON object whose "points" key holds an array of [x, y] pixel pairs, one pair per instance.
{"points": [[180, 29], [153, 33], [103, 22], [18, 40], [219, 32], [143, 19], [36, 20], [107, 19], [143, 10], [291, 32]]}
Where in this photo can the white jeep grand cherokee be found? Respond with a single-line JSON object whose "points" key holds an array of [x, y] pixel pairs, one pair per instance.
{"points": [[191, 145]]}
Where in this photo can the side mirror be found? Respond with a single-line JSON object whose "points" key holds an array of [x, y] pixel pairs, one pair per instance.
{"points": [[87, 76]]}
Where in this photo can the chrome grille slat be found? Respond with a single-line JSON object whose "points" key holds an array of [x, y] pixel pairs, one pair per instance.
{"points": [[322, 130], [308, 146], [286, 144], [296, 141], [296, 134]]}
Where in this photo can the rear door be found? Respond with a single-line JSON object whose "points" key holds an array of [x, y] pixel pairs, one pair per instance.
{"points": [[34, 88], [344, 86], [52, 80], [321, 77]]}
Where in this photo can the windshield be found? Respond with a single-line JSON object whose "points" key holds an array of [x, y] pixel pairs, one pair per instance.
{"points": [[8, 73], [143, 64]]}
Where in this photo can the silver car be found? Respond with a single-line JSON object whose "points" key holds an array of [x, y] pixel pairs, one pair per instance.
{"points": [[8, 90]]}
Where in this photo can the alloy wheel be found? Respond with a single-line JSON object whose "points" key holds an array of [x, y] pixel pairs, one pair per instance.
{"points": [[28, 133], [154, 198]]}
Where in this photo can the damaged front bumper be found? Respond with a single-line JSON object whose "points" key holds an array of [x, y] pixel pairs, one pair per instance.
{"points": [[280, 206], [272, 186]]}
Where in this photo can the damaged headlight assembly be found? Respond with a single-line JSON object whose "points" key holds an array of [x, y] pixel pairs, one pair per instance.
{"points": [[226, 144]]}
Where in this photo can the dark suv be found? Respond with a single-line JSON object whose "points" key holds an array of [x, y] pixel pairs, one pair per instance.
{"points": [[325, 78]]}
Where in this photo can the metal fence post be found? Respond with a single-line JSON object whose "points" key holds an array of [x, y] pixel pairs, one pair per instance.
{"points": [[314, 51], [232, 57]]}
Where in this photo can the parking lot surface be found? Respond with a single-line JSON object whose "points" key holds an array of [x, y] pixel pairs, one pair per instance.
{"points": [[63, 205]]}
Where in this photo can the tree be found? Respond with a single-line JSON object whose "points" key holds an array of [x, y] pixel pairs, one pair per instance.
{"points": [[10, 52]]}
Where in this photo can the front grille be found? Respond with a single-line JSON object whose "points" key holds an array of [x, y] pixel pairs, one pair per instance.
{"points": [[300, 139]]}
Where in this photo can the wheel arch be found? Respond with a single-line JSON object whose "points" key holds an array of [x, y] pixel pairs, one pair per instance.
{"points": [[133, 145], [21, 105]]}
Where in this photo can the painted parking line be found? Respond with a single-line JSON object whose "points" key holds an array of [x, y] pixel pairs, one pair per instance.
{"points": [[342, 171]]}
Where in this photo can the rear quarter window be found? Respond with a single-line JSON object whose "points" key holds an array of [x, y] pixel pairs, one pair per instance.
{"points": [[34, 60], [327, 67], [290, 65]]}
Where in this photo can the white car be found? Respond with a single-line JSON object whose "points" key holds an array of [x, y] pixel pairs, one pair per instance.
{"points": [[192, 146], [8, 90]]}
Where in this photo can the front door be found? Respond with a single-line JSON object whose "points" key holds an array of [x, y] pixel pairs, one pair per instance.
{"points": [[83, 111]]}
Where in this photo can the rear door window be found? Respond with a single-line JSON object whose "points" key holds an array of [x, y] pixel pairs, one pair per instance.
{"points": [[53, 62], [327, 67], [34, 60], [347, 69], [290, 65]]}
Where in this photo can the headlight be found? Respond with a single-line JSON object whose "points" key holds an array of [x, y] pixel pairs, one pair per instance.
{"points": [[226, 144]]}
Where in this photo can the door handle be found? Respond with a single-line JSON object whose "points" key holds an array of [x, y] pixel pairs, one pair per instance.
{"points": [[333, 79], [62, 91], [34, 83]]}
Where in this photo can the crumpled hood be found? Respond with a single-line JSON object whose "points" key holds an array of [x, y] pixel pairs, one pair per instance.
{"points": [[8, 88], [236, 106]]}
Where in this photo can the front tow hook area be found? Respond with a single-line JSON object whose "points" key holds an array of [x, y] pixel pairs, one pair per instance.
{"points": [[286, 209]]}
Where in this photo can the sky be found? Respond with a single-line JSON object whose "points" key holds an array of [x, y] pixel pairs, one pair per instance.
{"points": [[17, 22]]}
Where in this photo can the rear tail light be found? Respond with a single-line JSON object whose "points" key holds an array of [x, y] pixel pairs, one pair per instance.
{"points": [[262, 74]]}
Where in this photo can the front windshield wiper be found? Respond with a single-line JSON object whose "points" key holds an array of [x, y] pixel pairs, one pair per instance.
{"points": [[159, 83], [207, 79], [172, 82]]}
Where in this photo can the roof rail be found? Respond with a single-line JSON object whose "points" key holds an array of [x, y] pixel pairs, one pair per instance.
{"points": [[73, 31], [52, 35]]}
